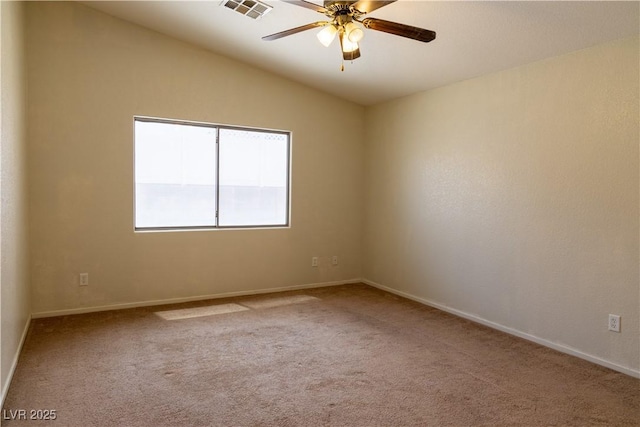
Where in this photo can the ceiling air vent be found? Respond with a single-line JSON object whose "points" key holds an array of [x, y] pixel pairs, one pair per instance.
{"points": [[251, 8]]}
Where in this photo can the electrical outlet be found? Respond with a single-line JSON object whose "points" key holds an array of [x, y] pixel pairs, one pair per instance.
{"points": [[614, 323], [314, 261], [334, 260], [84, 279]]}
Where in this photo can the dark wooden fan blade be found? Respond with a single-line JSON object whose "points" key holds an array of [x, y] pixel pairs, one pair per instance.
{"points": [[295, 30], [308, 5], [367, 6], [402, 30]]}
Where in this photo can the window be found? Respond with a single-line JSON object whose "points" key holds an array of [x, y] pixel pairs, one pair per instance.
{"points": [[197, 175]]}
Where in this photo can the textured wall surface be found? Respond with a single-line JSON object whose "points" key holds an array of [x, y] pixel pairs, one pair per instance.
{"points": [[14, 272], [513, 197], [89, 74]]}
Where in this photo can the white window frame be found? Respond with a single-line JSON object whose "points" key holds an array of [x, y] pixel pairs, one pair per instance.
{"points": [[217, 128]]}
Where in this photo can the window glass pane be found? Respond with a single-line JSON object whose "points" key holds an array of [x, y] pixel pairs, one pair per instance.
{"points": [[254, 173], [175, 172]]}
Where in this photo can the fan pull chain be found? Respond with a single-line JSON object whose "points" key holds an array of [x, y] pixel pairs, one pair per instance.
{"points": [[342, 66]]}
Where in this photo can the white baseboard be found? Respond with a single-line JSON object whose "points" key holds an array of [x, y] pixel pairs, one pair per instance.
{"points": [[562, 348], [121, 306], [14, 363]]}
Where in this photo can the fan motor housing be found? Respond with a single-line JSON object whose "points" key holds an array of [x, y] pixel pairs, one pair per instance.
{"points": [[339, 5]]}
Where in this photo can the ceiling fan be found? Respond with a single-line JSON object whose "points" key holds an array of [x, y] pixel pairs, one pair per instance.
{"points": [[347, 22]]}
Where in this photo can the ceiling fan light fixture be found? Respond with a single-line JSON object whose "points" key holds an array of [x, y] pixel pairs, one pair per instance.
{"points": [[346, 20], [327, 35], [347, 45], [354, 32]]}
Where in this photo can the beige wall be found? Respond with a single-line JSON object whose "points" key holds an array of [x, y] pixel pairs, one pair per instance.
{"points": [[14, 274], [89, 74], [513, 198]]}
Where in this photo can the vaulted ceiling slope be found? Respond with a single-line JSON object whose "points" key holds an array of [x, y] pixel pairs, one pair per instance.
{"points": [[473, 38]]}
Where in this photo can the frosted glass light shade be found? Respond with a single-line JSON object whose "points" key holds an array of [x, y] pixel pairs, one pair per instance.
{"points": [[353, 32], [347, 45], [327, 35]]}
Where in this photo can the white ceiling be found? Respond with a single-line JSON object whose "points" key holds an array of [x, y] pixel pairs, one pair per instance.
{"points": [[473, 38]]}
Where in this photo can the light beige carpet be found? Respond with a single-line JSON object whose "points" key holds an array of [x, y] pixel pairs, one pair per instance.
{"points": [[340, 356]]}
